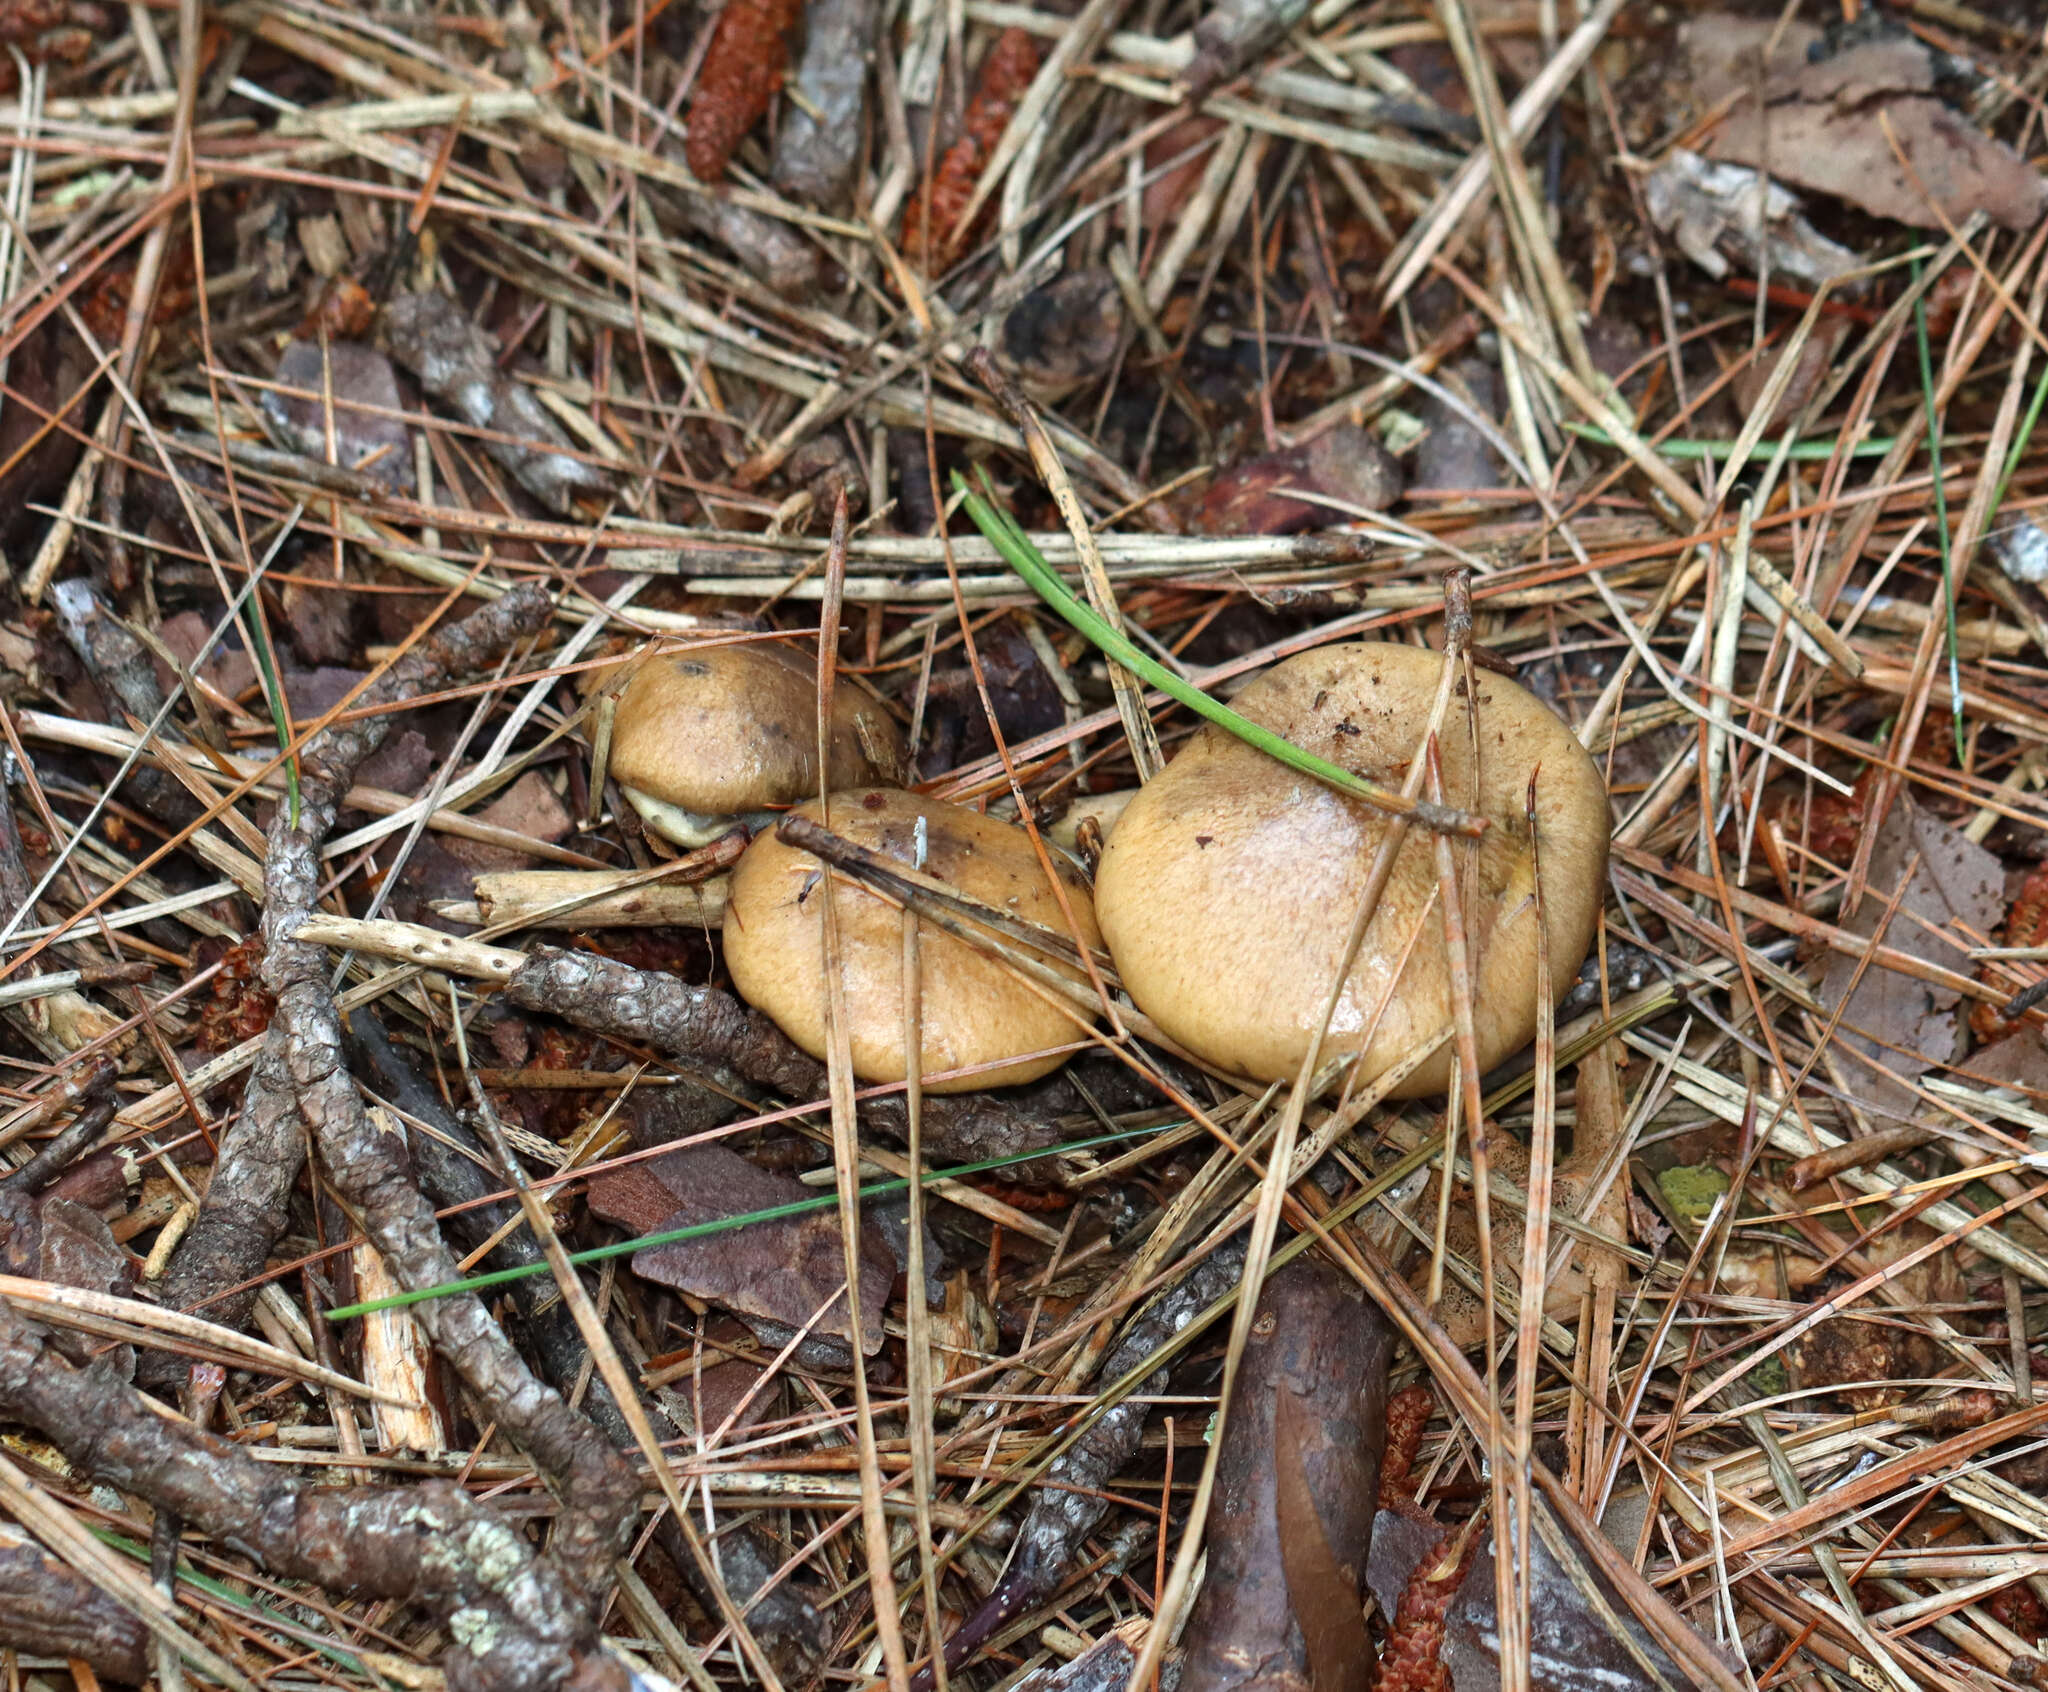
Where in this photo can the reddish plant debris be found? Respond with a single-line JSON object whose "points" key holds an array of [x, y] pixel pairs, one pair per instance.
{"points": [[931, 229], [2016, 1607], [1411, 1655], [1275, 494], [46, 31], [742, 72], [2026, 924], [1863, 1361], [343, 308], [1408, 1413], [104, 303], [239, 1008]]}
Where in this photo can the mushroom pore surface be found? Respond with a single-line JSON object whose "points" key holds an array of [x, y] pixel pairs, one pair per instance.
{"points": [[1231, 882], [702, 736], [975, 1010]]}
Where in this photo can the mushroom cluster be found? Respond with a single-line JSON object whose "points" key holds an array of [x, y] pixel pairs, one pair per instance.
{"points": [[1227, 887]]}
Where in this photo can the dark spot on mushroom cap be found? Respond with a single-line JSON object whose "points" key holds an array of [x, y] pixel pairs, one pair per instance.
{"points": [[873, 802]]}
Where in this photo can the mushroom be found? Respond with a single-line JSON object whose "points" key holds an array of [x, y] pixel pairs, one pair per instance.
{"points": [[976, 1011], [1226, 891], [705, 737], [1086, 824]]}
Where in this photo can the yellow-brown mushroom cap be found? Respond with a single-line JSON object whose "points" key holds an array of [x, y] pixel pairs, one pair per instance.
{"points": [[976, 1010], [1231, 882], [717, 731]]}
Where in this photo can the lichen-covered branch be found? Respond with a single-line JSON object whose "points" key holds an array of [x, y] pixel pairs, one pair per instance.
{"points": [[1072, 1500], [245, 1203], [47, 1610], [518, 1622], [714, 1027], [788, 1627]]}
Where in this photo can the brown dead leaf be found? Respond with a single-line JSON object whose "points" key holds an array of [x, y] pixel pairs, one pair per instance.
{"points": [[1823, 124], [779, 1271], [369, 435], [1907, 1025], [530, 807]]}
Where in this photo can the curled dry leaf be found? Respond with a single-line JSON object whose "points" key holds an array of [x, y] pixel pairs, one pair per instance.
{"points": [[1716, 214], [1862, 122]]}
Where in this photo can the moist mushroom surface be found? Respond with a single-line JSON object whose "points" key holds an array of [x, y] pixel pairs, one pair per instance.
{"points": [[704, 736], [1229, 886], [975, 1009]]}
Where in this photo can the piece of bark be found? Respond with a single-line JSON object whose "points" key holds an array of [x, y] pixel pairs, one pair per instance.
{"points": [[457, 363], [1267, 495], [244, 1207], [547, 899], [1071, 1500], [818, 141], [783, 1271], [48, 1611], [1104, 1667], [1234, 32], [397, 1362], [1297, 1485], [453, 1173], [767, 248]]}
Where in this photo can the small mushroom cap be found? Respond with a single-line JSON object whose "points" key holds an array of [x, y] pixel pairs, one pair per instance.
{"points": [[1229, 887], [718, 731], [976, 1010]]}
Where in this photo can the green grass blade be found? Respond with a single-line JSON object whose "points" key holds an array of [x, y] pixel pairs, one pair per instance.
{"points": [[1817, 450], [1022, 555], [258, 637]]}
